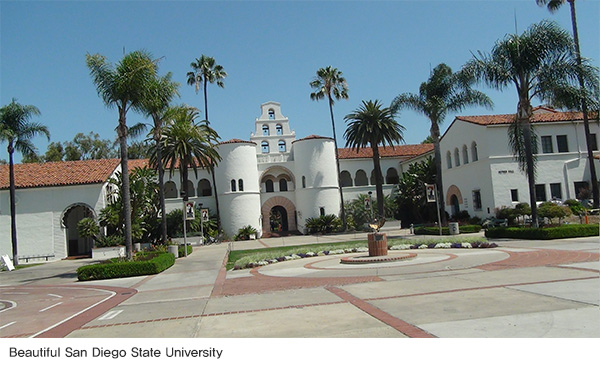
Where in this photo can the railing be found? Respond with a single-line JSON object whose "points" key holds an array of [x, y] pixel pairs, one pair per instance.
{"points": [[269, 158]]}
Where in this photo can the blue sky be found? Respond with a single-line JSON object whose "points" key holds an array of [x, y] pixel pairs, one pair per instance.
{"points": [[270, 50]]}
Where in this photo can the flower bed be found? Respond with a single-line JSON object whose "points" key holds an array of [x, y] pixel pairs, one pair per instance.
{"points": [[258, 259]]}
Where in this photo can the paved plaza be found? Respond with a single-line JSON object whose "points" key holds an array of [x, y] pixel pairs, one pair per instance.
{"points": [[519, 289]]}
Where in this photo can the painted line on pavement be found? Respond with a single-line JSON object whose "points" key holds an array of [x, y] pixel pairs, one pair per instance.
{"points": [[8, 324], [49, 307], [110, 315]]}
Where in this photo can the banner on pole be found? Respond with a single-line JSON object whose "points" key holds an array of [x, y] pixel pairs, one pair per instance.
{"points": [[430, 193], [190, 213], [204, 214]]}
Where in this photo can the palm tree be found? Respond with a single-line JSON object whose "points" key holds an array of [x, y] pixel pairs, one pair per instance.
{"points": [[443, 92], [162, 90], [329, 83], [123, 86], [187, 143], [17, 129], [540, 63], [553, 6], [205, 70], [372, 125]]}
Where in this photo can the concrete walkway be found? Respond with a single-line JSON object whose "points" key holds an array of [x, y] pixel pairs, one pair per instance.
{"points": [[520, 289]]}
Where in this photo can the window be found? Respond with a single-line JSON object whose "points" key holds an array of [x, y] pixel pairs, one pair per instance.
{"points": [[456, 157], [449, 160], [269, 186], [283, 185], [477, 199], [233, 185], [514, 195], [322, 211], [562, 143], [465, 155], [303, 182], [281, 145], [361, 178], [582, 190], [170, 190], [271, 114], [345, 179], [279, 130], [540, 193], [264, 147], [265, 129], [474, 156], [204, 188], [391, 176], [594, 141], [241, 184], [190, 189], [547, 144], [555, 191]]}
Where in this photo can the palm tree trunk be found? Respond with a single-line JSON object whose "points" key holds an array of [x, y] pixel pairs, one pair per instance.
{"points": [[212, 171], [378, 181], [524, 123], [161, 178], [437, 154], [13, 204], [337, 164], [586, 123], [122, 130]]}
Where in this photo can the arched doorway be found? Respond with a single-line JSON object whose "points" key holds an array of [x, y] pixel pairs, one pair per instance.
{"points": [[77, 245], [278, 219], [455, 205]]}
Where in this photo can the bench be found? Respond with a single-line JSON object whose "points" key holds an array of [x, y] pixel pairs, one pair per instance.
{"points": [[27, 258]]}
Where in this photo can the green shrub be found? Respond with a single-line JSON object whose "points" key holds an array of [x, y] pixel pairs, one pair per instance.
{"points": [[324, 224], [182, 252], [560, 232], [466, 229], [245, 232], [576, 207], [117, 268]]}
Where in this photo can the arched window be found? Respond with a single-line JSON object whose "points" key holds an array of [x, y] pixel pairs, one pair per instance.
{"points": [[170, 190], [264, 146], [265, 129], [190, 192], [241, 184], [456, 157], [269, 186], [271, 114], [449, 160], [281, 145], [474, 155], [465, 155], [303, 182], [204, 188], [361, 178], [283, 185], [345, 179], [233, 185], [391, 176], [373, 177], [279, 130]]}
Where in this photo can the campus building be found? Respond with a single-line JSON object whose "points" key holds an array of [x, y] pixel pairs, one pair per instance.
{"points": [[480, 173], [272, 181]]}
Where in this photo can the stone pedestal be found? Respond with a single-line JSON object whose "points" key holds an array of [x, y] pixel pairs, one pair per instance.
{"points": [[377, 244]]}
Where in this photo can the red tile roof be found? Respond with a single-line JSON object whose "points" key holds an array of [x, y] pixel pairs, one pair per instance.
{"points": [[405, 151], [59, 173], [540, 115]]}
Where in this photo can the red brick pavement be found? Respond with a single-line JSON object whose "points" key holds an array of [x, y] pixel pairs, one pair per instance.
{"points": [[538, 258]]}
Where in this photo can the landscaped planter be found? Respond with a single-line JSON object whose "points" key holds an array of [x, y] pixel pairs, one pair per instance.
{"points": [[108, 252]]}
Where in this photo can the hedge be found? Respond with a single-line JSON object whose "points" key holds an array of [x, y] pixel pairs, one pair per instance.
{"points": [[546, 233], [466, 229], [118, 269]]}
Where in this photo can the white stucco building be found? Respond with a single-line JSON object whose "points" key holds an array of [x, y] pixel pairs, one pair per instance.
{"points": [[480, 173], [273, 182]]}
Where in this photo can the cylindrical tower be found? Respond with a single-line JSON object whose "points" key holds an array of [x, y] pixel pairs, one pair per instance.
{"points": [[237, 183], [317, 190]]}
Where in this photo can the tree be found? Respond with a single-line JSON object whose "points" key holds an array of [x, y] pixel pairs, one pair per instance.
{"points": [[443, 92], [89, 147], [205, 70], [124, 87], [373, 125], [412, 201], [553, 6], [539, 63], [329, 83], [17, 129], [162, 90], [187, 143]]}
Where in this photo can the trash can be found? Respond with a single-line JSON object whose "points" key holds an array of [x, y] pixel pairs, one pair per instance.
{"points": [[453, 227], [174, 249]]}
